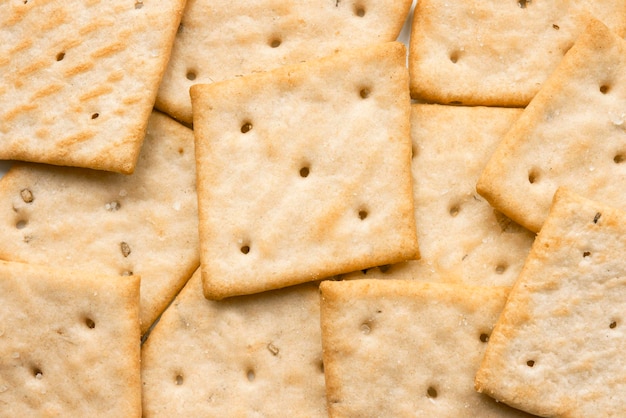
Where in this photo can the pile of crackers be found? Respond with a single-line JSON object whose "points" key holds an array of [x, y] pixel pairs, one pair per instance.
{"points": [[278, 209]]}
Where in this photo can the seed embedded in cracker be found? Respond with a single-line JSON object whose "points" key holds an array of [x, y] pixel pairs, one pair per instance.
{"points": [[571, 134], [557, 347], [125, 249], [69, 343], [144, 224], [218, 40], [78, 80], [257, 353], [263, 224]]}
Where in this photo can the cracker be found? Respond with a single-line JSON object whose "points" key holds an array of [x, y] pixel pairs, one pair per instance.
{"points": [[78, 79], [395, 348], [258, 355], [304, 171], [69, 343], [572, 134], [462, 239], [144, 223], [496, 53], [220, 40], [557, 348]]}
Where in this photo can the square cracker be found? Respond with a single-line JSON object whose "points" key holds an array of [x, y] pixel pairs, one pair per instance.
{"points": [[496, 52], [78, 79], [69, 343], [145, 223], [462, 239], [400, 348], [220, 39], [557, 349], [258, 355], [304, 172], [572, 134]]}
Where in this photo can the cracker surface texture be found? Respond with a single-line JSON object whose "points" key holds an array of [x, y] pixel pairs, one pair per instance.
{"points": [[69, 343], [78, 79], [494, 52], [571, 134], [557, 349], [399, 348], [219, 40], [304, 172], [144, 223], [258, 355], [462, 238]]}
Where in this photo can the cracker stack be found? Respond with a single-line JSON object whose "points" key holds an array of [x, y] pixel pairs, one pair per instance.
{"points": [[260, 236]]}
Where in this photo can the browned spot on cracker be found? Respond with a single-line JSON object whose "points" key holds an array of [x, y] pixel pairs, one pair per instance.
{"points": [[76, 138], [109, 49], [42, 133], [80, 68], [11, 114], [54, 19], [132, 99], [33, 67], [46, 91], [71, 43], [121, 8], [25, 44], [94, 26], [115, 76], [16, 17], [98, 91]]}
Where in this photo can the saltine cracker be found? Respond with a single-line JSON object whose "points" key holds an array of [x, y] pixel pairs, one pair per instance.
{"points": [[557, 348], [219, 39], [69, 343], [78, 79], [496, 52], [462, 238], [304, 171], [573, 133], [258, 355], [399, 348], [145, 223]]}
